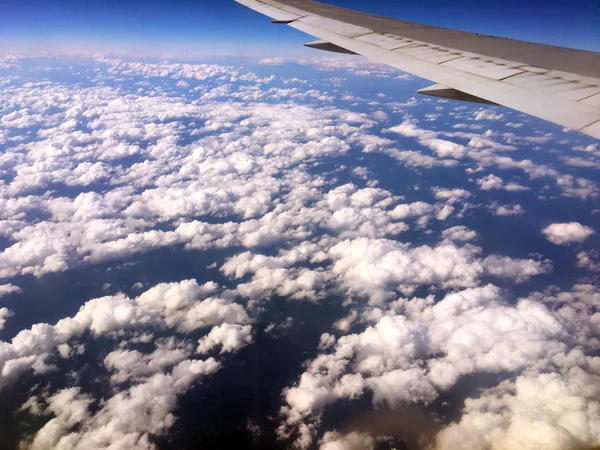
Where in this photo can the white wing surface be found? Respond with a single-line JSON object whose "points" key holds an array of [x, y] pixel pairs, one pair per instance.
{"points": [[557, 84]]}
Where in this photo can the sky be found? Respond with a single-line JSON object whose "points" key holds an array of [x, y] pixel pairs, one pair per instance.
{"points": [[274, 253], [216, 27]]}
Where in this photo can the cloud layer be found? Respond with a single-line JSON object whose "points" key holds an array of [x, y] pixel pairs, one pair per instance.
{"points": [[285, 184]]}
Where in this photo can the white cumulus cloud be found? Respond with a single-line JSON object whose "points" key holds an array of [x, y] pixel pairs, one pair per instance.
{"points": [[567, 233]]}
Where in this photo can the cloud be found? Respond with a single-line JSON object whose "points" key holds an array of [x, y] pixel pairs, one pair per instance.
{"points": [[577, 161], [416, 209], [272, 61], [350, 441], [127, 420], [355, 65], [537, 410], [145, 385], [518, 270], [215, 157], [494, 182], [445, 212], [412, 158], [506, 210], [567, 233], [7, 289], [131, 364], [483, 149], [5, 314], [459, 233], [70, 408], [421, 347], [218, 177], [184, 306], [591, 149], [487, 114], [451, 195], [441, 147], [230, 337], [589, 260], [378, 267]]}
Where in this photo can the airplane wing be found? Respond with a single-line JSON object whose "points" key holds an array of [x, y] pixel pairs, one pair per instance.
{"points": [[557, 84]]}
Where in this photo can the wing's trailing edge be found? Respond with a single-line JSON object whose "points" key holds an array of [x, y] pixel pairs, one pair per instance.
{"points": [[557, 84]]}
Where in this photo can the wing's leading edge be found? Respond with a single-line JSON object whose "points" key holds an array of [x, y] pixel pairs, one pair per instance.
{"points": [[557, 84]]}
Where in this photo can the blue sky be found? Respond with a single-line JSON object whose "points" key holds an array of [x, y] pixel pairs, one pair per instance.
{"points": [[224, 27]]}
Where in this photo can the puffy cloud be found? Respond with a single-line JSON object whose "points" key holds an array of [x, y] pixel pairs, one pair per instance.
{"points": [[578, 308], [416, 209], [361, 212], [495, 182], [272, 275], [421, 348], [451, 195], [537, 410], [371, 267], [246, 171], [356, 66], [376, 268], [399, 387], [345, 323], [518, 270], [70, 408], [185, 306], [230, 337], [567, 233], [459, 233], [487, 114], [5, 314], [6, 289], [591, 149], [490, 182], [506, 210], [489, 338], [445, 212], [483, 150], [326, 341], [273, 61], [412, 158], [131, 364], [350, 441], [146, 385], [126, 420], [218, 175], [577, 161], [589, 261], [429, 139]]}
